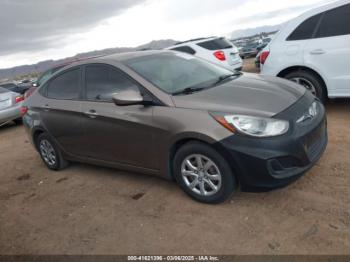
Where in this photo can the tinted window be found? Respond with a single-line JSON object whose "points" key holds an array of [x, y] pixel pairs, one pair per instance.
{"points": [[219, 43], [102, 82], [306, 29], [47, 75], [335, 22], [185, 49], [44, 77], [65, 86]]}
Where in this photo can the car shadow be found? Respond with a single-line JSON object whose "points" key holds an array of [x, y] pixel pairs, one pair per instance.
{"points": [[338, 103], [7, 126]]}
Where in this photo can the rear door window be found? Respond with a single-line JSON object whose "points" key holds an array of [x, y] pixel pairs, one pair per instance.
{"points": [[47, 75], [44, 77], [306, 29], [215, 44], [335, 22], [103, 81], [65, 86]]}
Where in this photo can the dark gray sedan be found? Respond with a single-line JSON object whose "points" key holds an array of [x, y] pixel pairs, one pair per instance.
{"points": [[176, 116]]}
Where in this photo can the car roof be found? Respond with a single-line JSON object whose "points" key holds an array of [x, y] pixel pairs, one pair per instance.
{"points": [[195, 41], [130, 55], [290, 25], [119, 57], [324, 7], [321, 8]]}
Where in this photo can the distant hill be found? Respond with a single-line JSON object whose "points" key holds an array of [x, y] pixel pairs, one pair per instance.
{"points": [[254, 31], [45, 65]]}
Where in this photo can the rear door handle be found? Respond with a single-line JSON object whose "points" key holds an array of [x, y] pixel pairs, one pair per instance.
{"points": [[46, 107], [91, 113], [317, 52]]}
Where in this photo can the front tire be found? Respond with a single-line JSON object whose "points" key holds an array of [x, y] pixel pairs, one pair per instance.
{"points": [[50, 153], [203, 173], [310, 81]]}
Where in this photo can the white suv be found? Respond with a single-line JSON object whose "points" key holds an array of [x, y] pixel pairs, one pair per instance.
{"points": [[214, 49], [314, 51]]}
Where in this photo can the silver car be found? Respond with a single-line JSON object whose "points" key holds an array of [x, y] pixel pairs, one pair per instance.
{"points": [[10, 106]]}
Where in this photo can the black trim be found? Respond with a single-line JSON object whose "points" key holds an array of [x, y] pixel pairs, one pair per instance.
{"points": [[318, 26], [43, 90], [144, 91], [302, 23]]}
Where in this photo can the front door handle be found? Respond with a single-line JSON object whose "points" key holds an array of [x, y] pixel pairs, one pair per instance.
{"points": [[318, 52], [91, 113]]}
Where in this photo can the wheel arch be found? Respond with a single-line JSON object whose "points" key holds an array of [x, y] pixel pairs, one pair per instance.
{"points": [[36, 133], [290, 69], [207, 141]]}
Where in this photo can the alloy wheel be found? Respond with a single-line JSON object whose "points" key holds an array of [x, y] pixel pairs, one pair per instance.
{"points": [[305, 83], [47, 152], [201, 175]]}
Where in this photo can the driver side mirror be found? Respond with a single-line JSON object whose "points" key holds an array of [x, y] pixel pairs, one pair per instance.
{"points": [[130, 97]]}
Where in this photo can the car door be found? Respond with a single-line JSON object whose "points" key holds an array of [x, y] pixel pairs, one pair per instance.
{"points": [[119, 134], [60, 110], [329, 51]]}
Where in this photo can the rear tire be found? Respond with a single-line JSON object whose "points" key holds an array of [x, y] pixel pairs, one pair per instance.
{"points": [[310, 81], [50, 153], [18, 121], [210, 181]]}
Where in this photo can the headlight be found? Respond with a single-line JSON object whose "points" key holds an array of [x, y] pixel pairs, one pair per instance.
{"points": [[253, 126]]}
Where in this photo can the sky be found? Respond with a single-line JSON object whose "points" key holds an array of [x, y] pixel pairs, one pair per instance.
{"points": [[37, 30]]}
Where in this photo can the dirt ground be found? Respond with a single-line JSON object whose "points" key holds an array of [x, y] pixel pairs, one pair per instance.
{"points": [[92, 210]]}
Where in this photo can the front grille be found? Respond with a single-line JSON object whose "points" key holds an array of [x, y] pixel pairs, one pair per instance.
{"points": [[315, 149]]}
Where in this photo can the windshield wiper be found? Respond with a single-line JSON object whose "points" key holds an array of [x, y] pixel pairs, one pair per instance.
{"points": [[188, 90], [224, 77]]}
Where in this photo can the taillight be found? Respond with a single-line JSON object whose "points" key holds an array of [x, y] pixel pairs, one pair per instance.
{"points": [[263, 57], [220, 55], [19, 99], [24, 110], [29, 92]]}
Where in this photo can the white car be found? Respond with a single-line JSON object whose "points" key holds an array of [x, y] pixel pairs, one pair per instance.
{"points": [[214, 49], [314, 51]]}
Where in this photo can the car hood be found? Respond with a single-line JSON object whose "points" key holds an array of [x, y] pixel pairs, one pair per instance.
{"points": [[248, 94]]}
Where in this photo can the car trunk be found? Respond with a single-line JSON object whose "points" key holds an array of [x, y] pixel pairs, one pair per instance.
{"points": [[232, 56], [6, 99]]}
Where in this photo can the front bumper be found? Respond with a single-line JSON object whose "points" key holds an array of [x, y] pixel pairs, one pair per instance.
{"points": [[11, 113], [265, 164]]}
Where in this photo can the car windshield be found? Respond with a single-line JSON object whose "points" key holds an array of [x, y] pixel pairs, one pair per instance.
{"points": [[176, 72]]}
